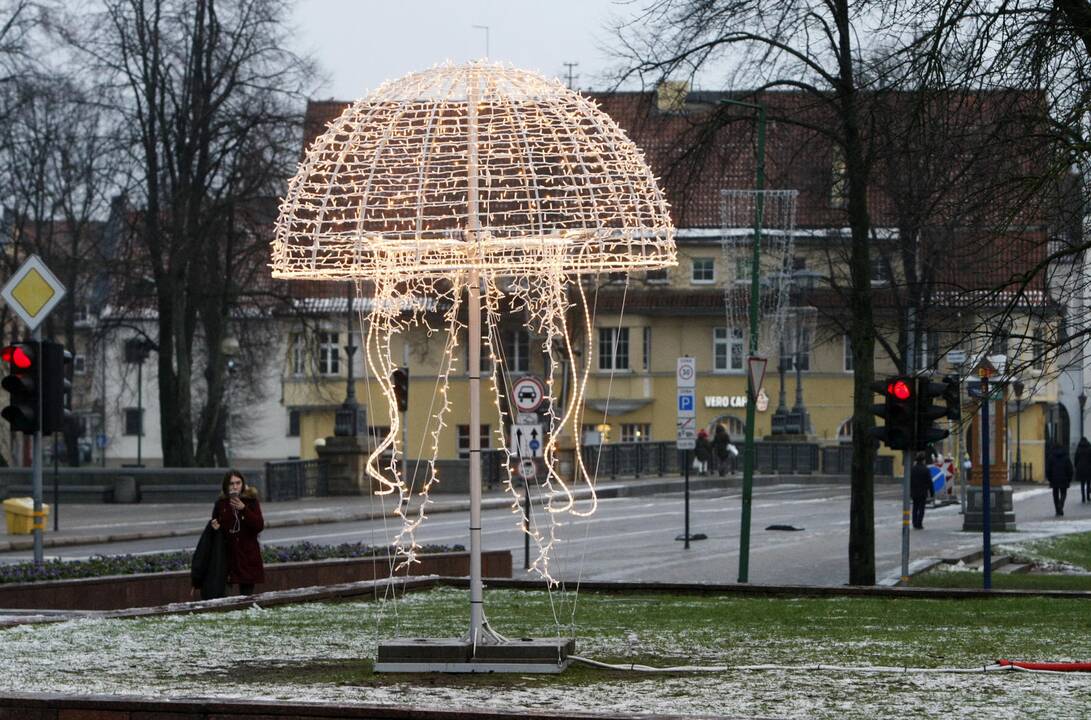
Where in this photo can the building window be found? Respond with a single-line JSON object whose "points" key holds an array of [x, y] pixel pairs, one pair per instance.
{"points": [[656, 277], [134, 421], [293, 423], [704, 270], [926, 351], [464, 440], [999, 342], [847, 346], [844, 431], [613, 348], [880, 269], [79, 364], [647, 349], [742, 269], [517, 350], [727, 349], [486, 362], [797, 343], [636, 432], [1037, 350], [298, 355], [329, 354]]}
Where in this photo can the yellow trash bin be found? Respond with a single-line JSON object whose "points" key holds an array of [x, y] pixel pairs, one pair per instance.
{"points": [[19, 513]]}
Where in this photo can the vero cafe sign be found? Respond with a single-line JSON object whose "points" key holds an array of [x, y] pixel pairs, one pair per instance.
{"points": [[737, 401]]}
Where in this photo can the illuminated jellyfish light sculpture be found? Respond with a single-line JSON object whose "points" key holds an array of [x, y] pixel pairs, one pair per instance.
{"points": [[473, 181]]}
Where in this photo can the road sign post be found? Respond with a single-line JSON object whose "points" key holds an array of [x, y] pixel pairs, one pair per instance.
{"points": [[32, 293], [686, 376]]}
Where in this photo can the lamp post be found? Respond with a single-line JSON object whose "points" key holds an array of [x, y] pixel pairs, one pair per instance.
{"points": [[348, 420], [229, 348], [752, 392], [1083, 401], [1017, 388]]}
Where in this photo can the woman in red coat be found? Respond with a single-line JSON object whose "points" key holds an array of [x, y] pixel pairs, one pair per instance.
{"points": [[237, 514]]}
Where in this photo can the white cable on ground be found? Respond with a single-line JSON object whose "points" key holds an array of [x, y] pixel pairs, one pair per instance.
{"points": [[818, 667]]}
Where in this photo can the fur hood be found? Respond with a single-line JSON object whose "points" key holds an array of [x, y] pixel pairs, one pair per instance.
{"points": [[248, 493]]}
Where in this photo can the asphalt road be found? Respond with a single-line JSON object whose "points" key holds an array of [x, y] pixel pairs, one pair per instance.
{"points": [[633, 538]]}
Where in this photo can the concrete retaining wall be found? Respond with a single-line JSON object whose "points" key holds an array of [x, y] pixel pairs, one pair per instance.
{"points": [[15, 706], [118, 592]]}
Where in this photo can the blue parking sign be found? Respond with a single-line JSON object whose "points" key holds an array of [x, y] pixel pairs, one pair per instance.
{"points": [[685, 403]]}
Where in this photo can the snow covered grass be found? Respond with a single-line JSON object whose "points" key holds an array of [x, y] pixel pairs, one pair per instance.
{"points": [[323, 652], [1062, 553]]}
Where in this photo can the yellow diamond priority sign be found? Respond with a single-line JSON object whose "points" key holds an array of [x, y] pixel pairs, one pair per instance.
{"points": [[32, 292]]}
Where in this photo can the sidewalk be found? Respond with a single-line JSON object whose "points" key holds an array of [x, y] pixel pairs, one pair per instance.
{"points": [[98, 523]]}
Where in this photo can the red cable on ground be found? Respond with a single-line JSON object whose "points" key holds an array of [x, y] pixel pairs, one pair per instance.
{"points": [[1050, 666]]}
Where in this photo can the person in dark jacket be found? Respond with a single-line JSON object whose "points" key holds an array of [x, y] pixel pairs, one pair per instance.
{"points": [[1082, 467], [920, 488], [208, 569], [237, 515], [720, 442], [703, 451], [1059, 475]]}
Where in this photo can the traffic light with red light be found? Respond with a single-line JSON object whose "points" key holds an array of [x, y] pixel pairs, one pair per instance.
{"points": [[897, 410], [399, 379], [23, 382]]}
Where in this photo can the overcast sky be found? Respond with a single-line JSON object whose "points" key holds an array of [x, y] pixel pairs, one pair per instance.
{"points": [[361, 43]]}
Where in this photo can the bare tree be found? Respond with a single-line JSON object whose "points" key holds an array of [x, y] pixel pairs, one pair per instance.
{"points": [[212, 97], [812, 48]]}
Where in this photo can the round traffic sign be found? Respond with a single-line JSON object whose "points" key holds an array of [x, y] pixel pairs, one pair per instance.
{"points": [[527, 470], [528, 392]]}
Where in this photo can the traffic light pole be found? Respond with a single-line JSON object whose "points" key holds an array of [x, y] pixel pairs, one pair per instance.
{"points": [[907, 454], [36, 451]]}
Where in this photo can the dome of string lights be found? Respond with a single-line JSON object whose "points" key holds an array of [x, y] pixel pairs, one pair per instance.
{"points": [[473, 166]]}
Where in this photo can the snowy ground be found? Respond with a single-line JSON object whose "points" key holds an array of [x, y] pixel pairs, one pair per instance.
{"points": [[322, 652]]}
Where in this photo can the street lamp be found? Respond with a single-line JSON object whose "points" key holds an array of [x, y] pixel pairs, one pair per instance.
{"points": [[1017, 387], [229, 349]]}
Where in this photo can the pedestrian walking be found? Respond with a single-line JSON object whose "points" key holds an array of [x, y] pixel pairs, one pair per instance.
{"points": [[703, 451], [237, 516], [1082, 467], [721, 445], [1059, 475], [920, 488]]}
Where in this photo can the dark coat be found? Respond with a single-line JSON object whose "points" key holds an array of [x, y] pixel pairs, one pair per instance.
{"points": [[208, 569], [720, 441], [1083, 461], [703, 450], [1059, 468], [240, 530], [920, 482]]}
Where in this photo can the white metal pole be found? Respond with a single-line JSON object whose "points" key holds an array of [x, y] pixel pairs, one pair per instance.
{"points": [[36, 473], [477, 601]]}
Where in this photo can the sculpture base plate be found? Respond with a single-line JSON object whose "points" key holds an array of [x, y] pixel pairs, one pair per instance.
{"points": [[448, 655]]}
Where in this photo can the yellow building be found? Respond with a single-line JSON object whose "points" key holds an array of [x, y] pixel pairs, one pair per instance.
{"points": [[644, 322]]}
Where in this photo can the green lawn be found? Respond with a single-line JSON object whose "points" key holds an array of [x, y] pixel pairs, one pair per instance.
{"points": [[324, 651], [1059, 561]]}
